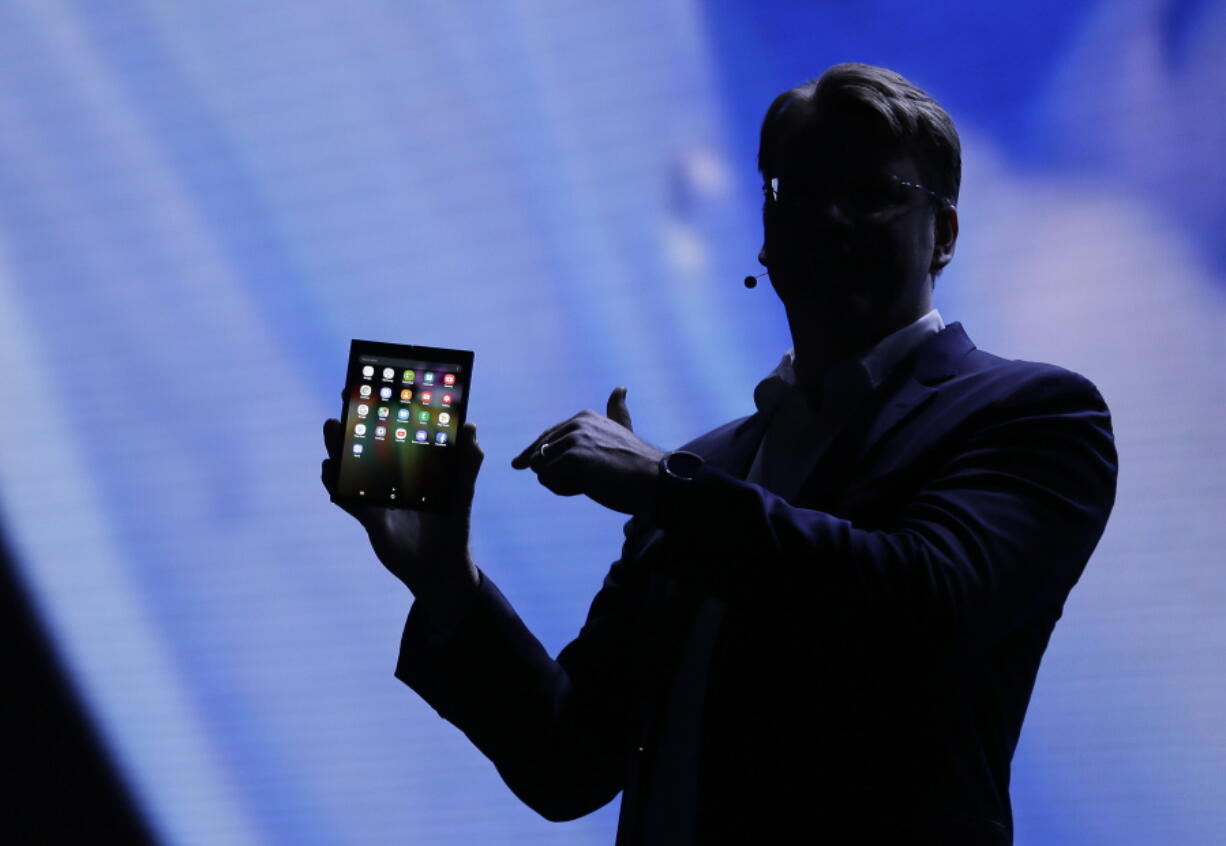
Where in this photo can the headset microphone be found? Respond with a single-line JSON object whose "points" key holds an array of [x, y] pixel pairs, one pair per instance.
{"points": [[752, 281]]}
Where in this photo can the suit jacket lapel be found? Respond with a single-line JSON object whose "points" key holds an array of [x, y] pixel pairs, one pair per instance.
{"points": [[911, 386], [907, 390], [735, 455], [931, 363]]}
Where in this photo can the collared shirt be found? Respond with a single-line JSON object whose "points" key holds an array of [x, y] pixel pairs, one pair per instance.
{"points": [[795, 439], [798, 434]]}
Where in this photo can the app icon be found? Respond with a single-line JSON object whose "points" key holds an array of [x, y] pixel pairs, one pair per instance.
{"points": [[364, 391], [446, 400], [425, 397], [367, 372], [406, 395], [408, 376], [382, 412], [363, 410], [420, 436], [423, 416], [380, 431], [360, 430], [388, 373], [385, 393], [448, 379], [401, 434], [357, 449], [440, 437], [428, 377], [402, 414], [444, 418]]}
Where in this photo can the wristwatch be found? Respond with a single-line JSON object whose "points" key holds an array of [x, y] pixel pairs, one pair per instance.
{"points": [[681, 466], [677, 470]]}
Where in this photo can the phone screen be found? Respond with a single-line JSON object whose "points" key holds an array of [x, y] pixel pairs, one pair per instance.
{"points": [[404, 406]]}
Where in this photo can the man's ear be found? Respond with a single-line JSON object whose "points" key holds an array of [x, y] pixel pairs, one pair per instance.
{"points": [[946, 237]]}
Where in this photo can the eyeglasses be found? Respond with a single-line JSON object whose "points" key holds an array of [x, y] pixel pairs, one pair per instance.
{"points": [[872, 201]]}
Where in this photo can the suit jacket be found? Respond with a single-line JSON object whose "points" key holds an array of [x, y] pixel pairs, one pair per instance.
{"points": [[882, 631]]}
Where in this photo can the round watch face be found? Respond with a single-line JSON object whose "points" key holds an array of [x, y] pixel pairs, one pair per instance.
{"points": [[682, 465]]}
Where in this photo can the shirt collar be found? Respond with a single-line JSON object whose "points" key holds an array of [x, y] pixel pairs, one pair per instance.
{"points": [[870, 369]]}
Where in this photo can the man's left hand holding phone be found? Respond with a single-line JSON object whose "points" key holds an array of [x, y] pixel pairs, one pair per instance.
{"points": [[426, 549]]}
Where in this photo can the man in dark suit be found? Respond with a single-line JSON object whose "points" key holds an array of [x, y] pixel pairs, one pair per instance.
{"points": [[827, 617]]}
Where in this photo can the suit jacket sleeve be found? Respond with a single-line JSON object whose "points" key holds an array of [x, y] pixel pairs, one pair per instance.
{"points": [[997, 534], [555, 729]]}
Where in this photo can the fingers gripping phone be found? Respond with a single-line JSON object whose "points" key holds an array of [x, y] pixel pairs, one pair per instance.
{"points": [[404, 407]]}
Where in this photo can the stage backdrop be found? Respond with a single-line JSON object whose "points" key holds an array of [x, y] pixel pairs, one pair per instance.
{"points": [[202, 202]]}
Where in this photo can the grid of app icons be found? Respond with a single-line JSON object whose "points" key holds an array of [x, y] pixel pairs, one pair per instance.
{"points": [[410, 397]]}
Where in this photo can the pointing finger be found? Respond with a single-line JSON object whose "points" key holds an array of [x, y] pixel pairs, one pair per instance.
{"points": [[524, 459]]}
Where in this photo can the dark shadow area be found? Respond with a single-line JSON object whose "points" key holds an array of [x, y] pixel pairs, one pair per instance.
{"points": [[62, 787]]}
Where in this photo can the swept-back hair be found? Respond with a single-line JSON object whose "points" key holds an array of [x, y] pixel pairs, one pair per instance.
{"points": [[911, 118]]}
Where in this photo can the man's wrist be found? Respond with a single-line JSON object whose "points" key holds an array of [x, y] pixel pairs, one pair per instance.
{"points": [[446, 599], [675, 478]]}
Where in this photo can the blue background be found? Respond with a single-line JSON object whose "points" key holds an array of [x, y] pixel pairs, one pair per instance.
{"points": [[201, 203]]}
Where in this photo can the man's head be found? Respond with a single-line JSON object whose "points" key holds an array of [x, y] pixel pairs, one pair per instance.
{"points": [[861, 171]]}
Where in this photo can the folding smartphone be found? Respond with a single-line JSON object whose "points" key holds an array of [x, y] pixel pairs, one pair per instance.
{"points": [[404, 406]]}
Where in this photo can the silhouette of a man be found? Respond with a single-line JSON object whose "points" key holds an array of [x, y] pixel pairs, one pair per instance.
{"points": [[827, 618]]}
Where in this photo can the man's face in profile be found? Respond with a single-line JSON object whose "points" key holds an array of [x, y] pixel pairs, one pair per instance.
{"points": [[845, 240]]}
